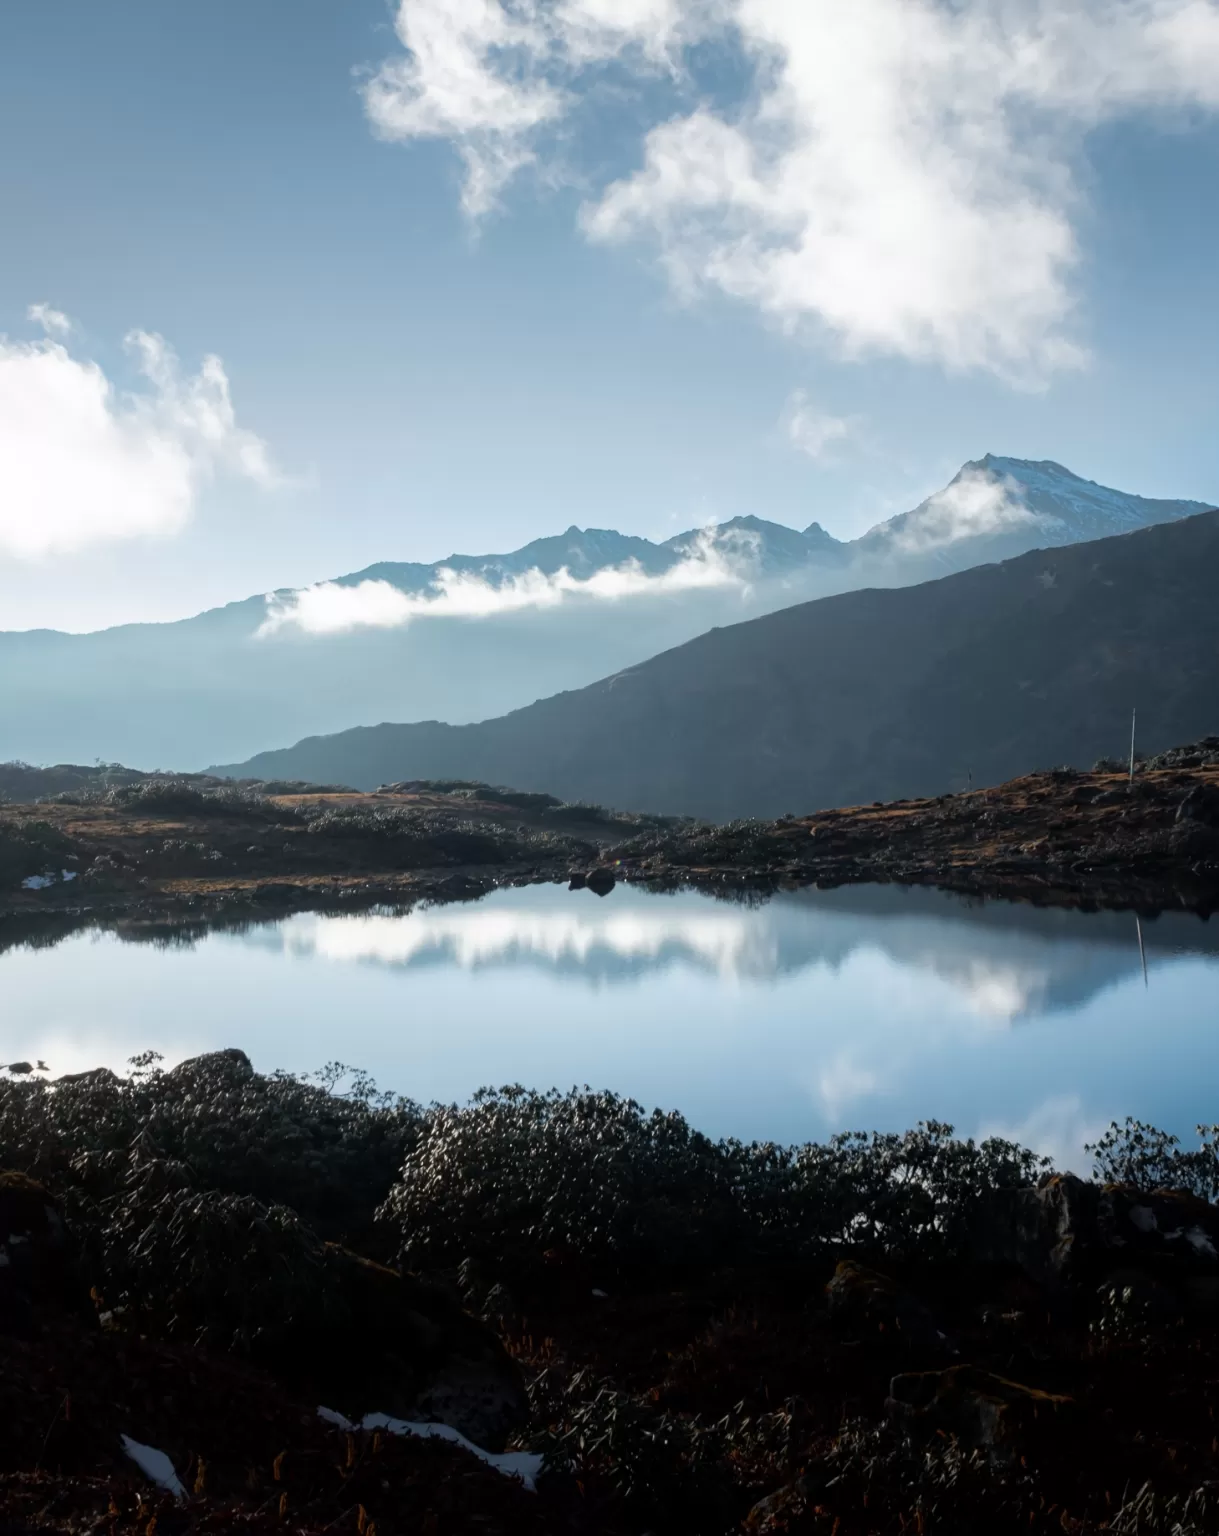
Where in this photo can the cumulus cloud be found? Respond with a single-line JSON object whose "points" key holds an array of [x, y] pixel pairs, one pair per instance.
{"points": [[82, 462], [330, 607], [897, 175], [810, 430]]}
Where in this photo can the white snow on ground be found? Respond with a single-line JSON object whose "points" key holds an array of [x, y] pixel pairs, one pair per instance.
{"points": [[40, 882], [155, 1465], [523, 1464]]}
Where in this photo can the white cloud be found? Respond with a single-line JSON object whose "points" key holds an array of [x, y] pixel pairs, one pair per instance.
{"points": [[53, 321], [330, 607], [897, 176], [976, 503], [720, 942], [82, 463], [1058, 1129], [810, 430]]}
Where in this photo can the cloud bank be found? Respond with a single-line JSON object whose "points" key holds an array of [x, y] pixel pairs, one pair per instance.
{"points": [[82, 463], [896, 176], [331, 608]]}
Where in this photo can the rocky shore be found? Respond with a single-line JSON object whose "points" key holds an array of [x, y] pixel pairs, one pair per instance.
{"points": [[556, 1313], [149, 849]]}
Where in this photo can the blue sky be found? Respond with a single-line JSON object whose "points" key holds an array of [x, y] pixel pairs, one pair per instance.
{"points": [[764, 307]]}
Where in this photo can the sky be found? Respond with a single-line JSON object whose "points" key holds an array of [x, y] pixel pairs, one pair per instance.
{"points": [[286, 290]]}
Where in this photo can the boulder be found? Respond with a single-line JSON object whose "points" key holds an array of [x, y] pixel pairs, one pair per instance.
{"points": [[1042, 1230], [230, 1062], [1200, 805], [600, 881], [867, 1303], [1067, 1230], [981, 1410], [37, 1255], [385, 1342]]}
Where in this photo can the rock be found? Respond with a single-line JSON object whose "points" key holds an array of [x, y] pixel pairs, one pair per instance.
{"points": [[37, 1254], [1067, 1231], [1201, 805], [600, 881], [982, 1410], [578, 881], [230, 1062], [1038, 1229], [1135, 1292], [776, 1510], [869, 1303], [389, 1343]]}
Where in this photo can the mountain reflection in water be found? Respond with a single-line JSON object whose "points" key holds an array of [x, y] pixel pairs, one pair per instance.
{"points": [[788, 1019]]}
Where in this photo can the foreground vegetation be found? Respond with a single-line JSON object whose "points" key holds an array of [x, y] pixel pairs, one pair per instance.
{"points": [[884, 1333]]}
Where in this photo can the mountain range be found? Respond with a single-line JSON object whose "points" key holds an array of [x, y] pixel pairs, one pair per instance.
{"points": [[868, 695], [473, 637]]}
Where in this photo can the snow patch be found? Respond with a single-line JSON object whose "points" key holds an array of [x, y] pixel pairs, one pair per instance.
{"points": [[523, 1464], [155, 1465], [1200, 1242]]}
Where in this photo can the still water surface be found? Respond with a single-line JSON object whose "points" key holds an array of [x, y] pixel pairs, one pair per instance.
{"points": [[864, 1008]]}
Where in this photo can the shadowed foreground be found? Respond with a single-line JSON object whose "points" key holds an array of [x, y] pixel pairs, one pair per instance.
{"points": [[880, 1334]]}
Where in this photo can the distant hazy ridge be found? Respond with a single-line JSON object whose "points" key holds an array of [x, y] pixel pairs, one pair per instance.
{"points": [[473, 637], [867, 695]]}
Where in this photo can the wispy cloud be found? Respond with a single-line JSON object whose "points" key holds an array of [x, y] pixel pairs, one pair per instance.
{"points": [[810, 430], [976, 503], [330, 607], [897, 176], [53, 321], [82, 463], [1058, 1129]]}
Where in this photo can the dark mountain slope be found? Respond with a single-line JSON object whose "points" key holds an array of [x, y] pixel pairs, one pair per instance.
{"points": [[475, 643], [866, 695]]}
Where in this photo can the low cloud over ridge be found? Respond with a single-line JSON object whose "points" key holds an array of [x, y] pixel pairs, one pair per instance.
{"points": [[331, 607]]}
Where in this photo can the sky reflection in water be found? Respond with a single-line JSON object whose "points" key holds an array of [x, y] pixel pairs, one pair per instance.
{"points": [[818, 1011]]}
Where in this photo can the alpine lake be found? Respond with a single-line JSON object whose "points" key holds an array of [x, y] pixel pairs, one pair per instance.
{"points": [[785, 1018]]}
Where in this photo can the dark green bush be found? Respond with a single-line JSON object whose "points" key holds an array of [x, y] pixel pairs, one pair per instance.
{"points": [[277, 1139], [30, 847], [1134, 1153], [520, 1171], [186, 797]]}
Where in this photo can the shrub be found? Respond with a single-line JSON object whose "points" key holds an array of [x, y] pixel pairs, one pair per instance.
{"points": [[520, 1171], [278, 1140], [183, 797], [1134, 1153], [30, 848]]}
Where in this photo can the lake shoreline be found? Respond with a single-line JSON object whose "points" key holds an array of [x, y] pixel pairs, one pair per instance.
{"points": [[1060, 838]]}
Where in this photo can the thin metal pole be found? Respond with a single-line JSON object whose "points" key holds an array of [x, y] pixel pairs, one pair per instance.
{"points": [[1142, 952], [1132, 719]]}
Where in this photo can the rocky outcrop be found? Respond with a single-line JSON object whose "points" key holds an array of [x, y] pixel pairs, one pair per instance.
{"points": [[866, 1303], [1067, 1230], [391, 1343], [38, 1267], [982, 1410]]}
